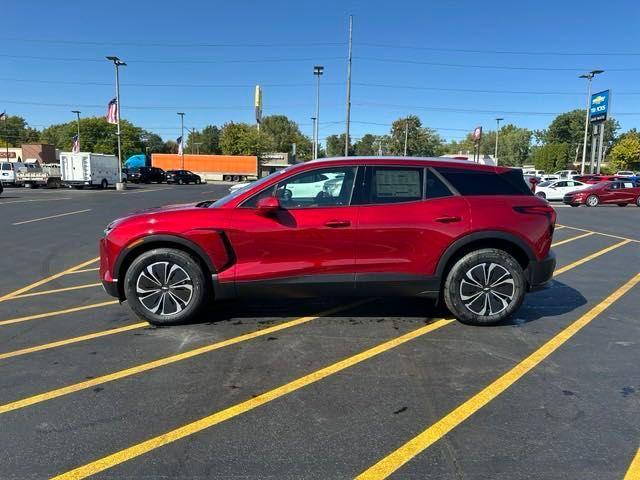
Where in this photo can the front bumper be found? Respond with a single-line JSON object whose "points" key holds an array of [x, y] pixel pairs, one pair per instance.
{"points": [[111, 288], [539, 272]]}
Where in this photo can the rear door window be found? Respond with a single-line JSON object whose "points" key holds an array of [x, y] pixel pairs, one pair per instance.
{"points": [[393, 184], [483, 182]]}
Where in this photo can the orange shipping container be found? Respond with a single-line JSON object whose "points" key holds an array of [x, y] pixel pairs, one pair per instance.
{"points": [[217, 164]]}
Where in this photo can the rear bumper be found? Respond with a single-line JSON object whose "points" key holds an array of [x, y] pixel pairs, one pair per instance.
{"points": [[539, 272]]}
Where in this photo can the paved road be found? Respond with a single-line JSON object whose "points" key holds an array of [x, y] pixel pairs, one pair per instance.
{"points": [[318, 389]]}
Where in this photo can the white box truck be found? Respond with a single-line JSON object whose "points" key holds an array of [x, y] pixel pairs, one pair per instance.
{"points": [[85, 169]]}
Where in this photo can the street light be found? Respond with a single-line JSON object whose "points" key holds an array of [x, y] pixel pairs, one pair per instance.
{"points": [[77, 112], [318, 70], [495, 156], [181, 146], [589, 76], [117, 63]]}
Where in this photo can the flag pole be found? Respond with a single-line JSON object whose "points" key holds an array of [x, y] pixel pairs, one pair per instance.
{"points": [[118, 63]]}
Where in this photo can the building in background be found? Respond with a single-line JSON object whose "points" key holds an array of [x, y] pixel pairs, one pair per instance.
{"points": [[39, 152]]}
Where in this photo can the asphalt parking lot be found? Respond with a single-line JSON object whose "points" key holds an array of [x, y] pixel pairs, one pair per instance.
{"points": [[323, 388]]}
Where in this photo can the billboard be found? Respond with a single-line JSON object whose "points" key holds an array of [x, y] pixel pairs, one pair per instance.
{"points": [[477, 134], [599, 106]]}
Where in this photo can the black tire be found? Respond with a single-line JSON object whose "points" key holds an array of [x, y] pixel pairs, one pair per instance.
{"points": [[638, 202], [622, 204], [592, 201], [236, 178], [198, 181], [167, 306], [541, 195], [508, 294], [104, 184], [180, 181]]}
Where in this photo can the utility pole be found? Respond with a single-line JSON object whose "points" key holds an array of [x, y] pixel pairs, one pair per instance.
{"points": [[315, 140], [346, 138], [589, 77], [318, 70], [495, 156], [406, 135], [181, 138], [118, 63], [379, 146], [77, 112], [6, 133]]}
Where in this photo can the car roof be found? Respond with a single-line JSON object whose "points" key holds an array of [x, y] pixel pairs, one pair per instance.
{"points": [[413, 161]]}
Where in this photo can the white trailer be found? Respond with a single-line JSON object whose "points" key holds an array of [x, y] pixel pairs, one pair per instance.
{"points": [[85, 169]]}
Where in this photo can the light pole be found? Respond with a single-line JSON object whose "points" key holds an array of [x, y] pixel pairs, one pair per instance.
{"points": [[589, 76], [318, 70], [181, 146], [197, 145], [313, 135], [406, 135], [117, 63], [77, 112], [495, 156], [346, 137]]}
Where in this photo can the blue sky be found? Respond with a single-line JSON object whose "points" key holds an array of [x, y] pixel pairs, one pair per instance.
{"points": [[227, 47]]}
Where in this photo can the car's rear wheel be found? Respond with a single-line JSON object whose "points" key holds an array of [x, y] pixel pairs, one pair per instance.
{"points": [[592, 201], [165, 286], [484, 287]]}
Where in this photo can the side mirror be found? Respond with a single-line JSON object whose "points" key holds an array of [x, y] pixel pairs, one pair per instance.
{"points": [[268, 206]]}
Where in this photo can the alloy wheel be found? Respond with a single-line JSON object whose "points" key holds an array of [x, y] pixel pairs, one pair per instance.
{"points": [[487, 289], [164, 288]]}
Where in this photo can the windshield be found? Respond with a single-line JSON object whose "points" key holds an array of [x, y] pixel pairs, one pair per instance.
{"points": [[544, 184], [240, 191]]}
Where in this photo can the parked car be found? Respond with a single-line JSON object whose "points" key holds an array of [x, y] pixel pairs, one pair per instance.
{"points": [[472, 234], [625, 173], [182, 176], [535, 173], [565, 174], [556, 190], [146, 175], [8, 171], [1, 188], [620, 193]]}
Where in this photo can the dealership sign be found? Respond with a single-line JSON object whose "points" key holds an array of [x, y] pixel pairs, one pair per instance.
{"points": [[599, 106]]}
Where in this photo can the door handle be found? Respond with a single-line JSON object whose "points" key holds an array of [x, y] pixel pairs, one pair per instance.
{"points": [[337, 223], [448, 219]]}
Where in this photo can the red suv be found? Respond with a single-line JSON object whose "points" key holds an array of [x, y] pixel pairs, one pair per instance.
{"points": [[474, 236]]}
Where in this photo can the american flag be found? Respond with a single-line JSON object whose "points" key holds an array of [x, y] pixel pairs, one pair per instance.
{"points": [[179, 141], [112, 111], [3, 116], [76, 144]]}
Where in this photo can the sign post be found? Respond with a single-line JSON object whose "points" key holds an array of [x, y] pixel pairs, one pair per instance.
{"points": [[598, 114], [477, 138]]}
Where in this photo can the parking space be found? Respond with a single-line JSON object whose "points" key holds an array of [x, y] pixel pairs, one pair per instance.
{"points": [[324, 388]]}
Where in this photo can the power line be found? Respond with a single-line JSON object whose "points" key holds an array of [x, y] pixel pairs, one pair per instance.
{"points": [[171, 62], [492, 67], [152, 107], [500, 52]]}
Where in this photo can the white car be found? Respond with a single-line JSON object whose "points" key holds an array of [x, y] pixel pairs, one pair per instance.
{"points": [[306, 186], [535, 173], [565, 173], [556, 190], [625, 173]]}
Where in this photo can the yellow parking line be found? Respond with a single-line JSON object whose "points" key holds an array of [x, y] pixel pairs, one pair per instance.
{"points": [[559, 227], [57, 312], [578, 237], [56, 290], [599, 233], [84, 270], [435, 432], [590, 257], [144, 367], [634, 469], [47, 279], [51, 216], [238, 409], [69, 341]]}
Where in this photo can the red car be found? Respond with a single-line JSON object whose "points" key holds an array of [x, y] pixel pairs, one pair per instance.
{"points": [[472, 235], [593, 179], [621, 193]]}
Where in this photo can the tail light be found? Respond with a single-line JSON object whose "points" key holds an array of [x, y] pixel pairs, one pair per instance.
{"points": [[545, 210]]}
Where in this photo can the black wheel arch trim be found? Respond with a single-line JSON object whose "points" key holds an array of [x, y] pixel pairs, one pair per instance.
{"points": [[483, 235]]}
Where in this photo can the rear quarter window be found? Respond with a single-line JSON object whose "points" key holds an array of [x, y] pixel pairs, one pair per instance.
{"points": [[480, 182]]}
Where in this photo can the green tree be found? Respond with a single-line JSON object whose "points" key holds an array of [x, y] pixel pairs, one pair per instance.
{"points": [[421, 141], [335, 145], [367, 145], [283, 133], [243, 139], [15, 131], [208, 139], [552, 157], [625, 154], [152, 142]]}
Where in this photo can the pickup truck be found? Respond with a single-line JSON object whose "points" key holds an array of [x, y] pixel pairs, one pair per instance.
{"points": [[35, 175]]}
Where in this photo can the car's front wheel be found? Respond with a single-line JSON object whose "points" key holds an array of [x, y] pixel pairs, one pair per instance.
{"points": [[165, 286], [484, 287], [541, 195], [592, 201]]}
